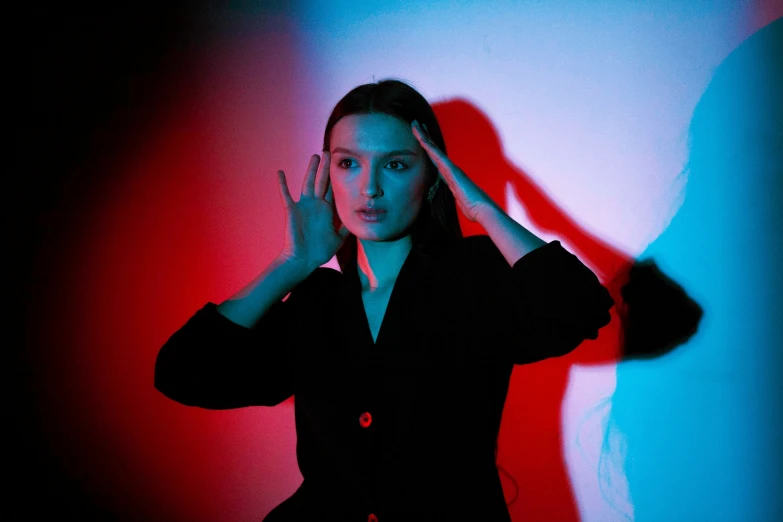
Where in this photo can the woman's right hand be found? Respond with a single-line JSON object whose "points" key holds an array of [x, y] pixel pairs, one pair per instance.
{"points": [[311, 238]]}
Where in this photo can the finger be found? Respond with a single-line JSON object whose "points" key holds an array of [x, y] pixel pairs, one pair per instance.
{"points": [[329, 193], [449, 172], [308, 185], [282, 185], [421, 132], [433, 151], [323, 179]]}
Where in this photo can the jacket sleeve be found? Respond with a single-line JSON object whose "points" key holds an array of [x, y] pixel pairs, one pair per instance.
{"points": [[214, 363], [544, 306]]}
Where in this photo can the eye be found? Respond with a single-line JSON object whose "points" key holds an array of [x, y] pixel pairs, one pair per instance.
{"points": [[342, 164], [402, 166]]}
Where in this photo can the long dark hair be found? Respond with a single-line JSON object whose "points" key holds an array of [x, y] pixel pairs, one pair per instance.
{"points": [[437, 225]]}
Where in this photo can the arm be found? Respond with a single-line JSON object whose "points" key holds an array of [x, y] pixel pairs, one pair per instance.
{"points": [[248, 305], [533, 299], [240, 357], [512, 239], [240, 353], [545, 305]]}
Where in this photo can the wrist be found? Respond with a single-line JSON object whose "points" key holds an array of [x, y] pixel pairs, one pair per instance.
{"points": [[490, 212], [294, 264]]}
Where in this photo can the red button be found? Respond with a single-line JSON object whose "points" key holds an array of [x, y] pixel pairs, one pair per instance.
{"points": [[365, 419], [372, 518]]}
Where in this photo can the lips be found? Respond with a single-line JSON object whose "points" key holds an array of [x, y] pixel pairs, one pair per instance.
{"points": [[371, 214]]}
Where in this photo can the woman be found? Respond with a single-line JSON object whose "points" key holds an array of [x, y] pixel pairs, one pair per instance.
{"points": [[400, 363]]}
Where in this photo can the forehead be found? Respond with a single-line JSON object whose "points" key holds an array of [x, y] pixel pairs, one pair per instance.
{"points": [[372, 132]]}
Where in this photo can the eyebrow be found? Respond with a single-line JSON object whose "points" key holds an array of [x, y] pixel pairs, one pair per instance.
{"points": [[400, 152]]}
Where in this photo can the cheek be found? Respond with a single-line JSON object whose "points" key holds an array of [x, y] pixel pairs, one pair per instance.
{"points": [[342, 202], [410, 204], [416, 194], [342, 190]]}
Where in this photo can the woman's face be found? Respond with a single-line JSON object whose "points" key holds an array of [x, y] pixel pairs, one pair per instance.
{"points": [[377, 162]]}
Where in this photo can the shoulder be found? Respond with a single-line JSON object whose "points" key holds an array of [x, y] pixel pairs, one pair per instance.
{"points": [[481, 251], [478, 250], [326, 275], [322, 278], [470, 245], [317, 286]]}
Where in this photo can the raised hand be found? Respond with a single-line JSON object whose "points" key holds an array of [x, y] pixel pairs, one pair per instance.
{"points": [[311, 238], [472, 201]]}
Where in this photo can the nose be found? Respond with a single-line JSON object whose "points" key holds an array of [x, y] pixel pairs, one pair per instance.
{"points": [[370, 183]]}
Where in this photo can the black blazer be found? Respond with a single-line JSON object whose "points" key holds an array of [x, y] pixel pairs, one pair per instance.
{"points": [[403, 429]]}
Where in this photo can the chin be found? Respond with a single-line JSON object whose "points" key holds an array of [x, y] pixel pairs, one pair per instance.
{"points": [[385, 231], [382, 237], [370, 236]]}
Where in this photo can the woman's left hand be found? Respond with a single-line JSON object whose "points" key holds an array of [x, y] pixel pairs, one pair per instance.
{"points": [[472, 201]]}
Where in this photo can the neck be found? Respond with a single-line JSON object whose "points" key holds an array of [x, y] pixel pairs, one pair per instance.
{"points": [[379, 262]]}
